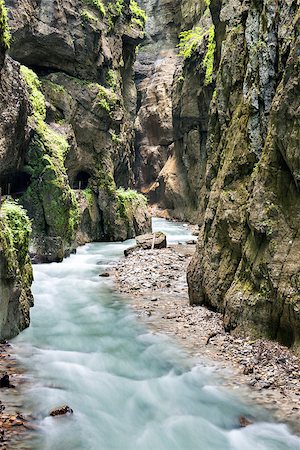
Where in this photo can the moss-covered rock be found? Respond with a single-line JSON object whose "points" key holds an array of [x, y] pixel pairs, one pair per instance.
{"points": [[49, 199], [15, 270], [246, 263]]}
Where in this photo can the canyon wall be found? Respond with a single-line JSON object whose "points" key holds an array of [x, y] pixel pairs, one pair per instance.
{"points": [[15, 267], [236, 123], [218, 143], [77, 150]]}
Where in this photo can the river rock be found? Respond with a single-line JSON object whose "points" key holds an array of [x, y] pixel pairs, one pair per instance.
{"points": [[62, 410], [152, 240], [4, 381], [130, 250], [244, 422]]}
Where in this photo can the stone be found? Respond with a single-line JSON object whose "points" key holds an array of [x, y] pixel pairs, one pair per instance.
{"points": [[152, 240], [104, 275], [4, 381], [62, 410], [244, 421], [130, 250]]}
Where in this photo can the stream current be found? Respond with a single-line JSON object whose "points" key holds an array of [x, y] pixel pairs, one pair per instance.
{"points": [[129, 389]]}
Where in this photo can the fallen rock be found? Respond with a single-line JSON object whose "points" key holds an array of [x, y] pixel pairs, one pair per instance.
{"points": [[152, 240], [61, 411]]}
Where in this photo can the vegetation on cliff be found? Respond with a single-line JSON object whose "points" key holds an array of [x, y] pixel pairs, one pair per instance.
{"points": [[49, 198], [4, 28], [15, 269]]}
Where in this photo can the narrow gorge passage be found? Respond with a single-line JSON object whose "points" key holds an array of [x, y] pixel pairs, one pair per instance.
{"points": [[129, 389]]}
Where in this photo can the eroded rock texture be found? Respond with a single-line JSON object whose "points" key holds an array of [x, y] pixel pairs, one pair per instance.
{"points": [[15, 267], [73, 106], [155, 66], [238, 137]]}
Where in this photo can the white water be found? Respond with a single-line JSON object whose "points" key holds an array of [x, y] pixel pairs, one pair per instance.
{"points": [[128, 388]]}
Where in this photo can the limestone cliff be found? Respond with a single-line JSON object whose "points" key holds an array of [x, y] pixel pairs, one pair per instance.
{"points": [[223, 137], [15, 227], [236, 119], [77, 120]]}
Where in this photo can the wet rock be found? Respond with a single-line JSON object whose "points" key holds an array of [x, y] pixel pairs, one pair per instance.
{"points": [[152, 240], [130, 250], [61, 411], [104, 275], [4, 381], [244, 422]]}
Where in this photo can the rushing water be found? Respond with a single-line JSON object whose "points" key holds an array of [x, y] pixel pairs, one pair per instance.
{"points": [[128, 388]]}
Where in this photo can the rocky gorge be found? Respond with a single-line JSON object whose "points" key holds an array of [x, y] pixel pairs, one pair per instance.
{"points": [[229, 152], [114, 111]]}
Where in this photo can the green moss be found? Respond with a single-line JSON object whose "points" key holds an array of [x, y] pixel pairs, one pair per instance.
{"points": [[57, 88], [87, 16], [19, 228], [106, 99], [189, 41], [138, 14], [115, 137], [35, 95], [89, 196], [111, 78], [49, 198], [116, 8], [106, 181], [128, 199], [208, 62], [4, 28], [97, 4]]}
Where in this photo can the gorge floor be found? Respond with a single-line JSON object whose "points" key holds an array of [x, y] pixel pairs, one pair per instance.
{"points": [[154, 282]]}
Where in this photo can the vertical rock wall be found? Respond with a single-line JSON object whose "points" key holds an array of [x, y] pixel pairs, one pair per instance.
{"points": [[77, 78], [230, 160], [243, 165], [15, 267]]}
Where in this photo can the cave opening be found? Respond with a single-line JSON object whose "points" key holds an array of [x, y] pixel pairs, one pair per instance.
{"points": [[81, 180], [14, 183]]}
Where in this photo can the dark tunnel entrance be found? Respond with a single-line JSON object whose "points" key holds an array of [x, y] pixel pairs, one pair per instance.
{"points": [[14, 183], [81, 180]]}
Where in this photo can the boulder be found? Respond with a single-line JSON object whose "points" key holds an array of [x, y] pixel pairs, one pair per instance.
{"points": [[62, 410], [130, 250], [152, 240]]}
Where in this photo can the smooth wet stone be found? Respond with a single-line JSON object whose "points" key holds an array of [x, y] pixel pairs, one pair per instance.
{"points": [[63, 410]]}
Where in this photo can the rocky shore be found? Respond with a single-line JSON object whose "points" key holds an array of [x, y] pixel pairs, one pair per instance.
{"points": [[154, 281], [15, 427]]}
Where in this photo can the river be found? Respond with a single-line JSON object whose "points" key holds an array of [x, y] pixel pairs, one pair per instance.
{"points": [[129, 389]]}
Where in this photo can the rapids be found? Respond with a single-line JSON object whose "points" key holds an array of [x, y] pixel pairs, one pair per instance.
{"points": [[129, 389]]}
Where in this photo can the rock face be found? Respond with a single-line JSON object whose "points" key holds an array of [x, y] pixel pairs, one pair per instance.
{"points": [[15, 270], [70, 121], [237, 124], [222, 135], [154, 69], [15, 267]]}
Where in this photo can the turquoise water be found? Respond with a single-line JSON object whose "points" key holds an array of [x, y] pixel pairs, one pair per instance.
{"points": [[129, 389]]}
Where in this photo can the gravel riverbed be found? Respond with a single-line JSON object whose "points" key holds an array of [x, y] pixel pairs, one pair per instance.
{"points": [[154, 282]]}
